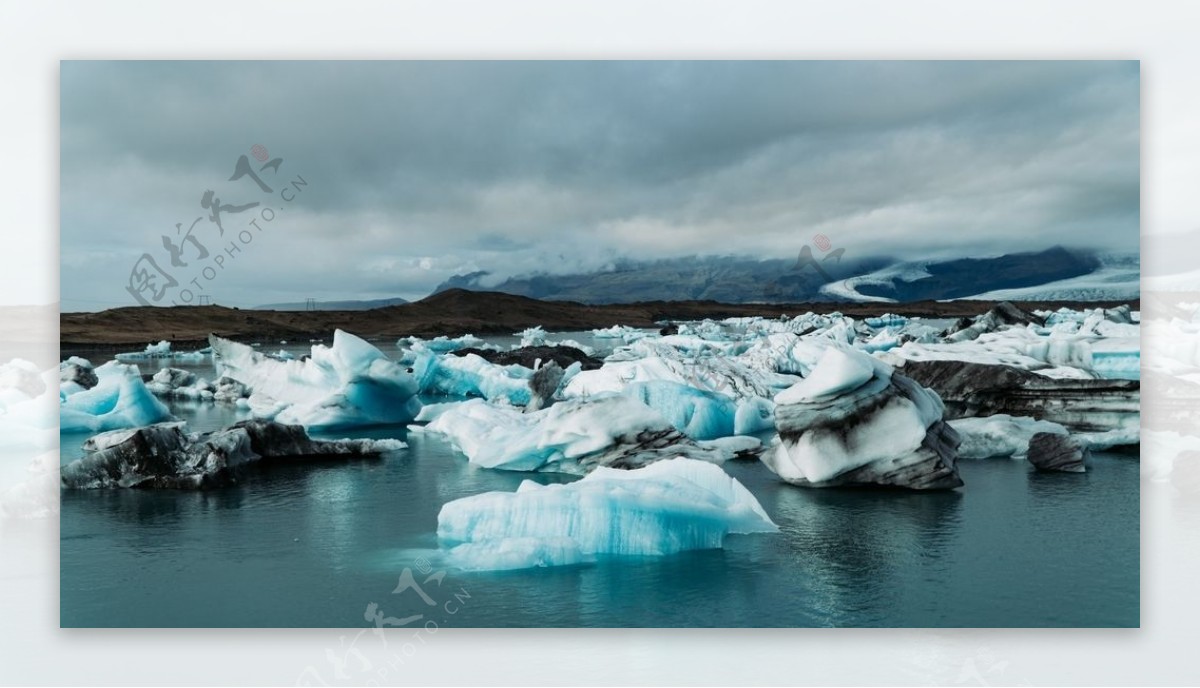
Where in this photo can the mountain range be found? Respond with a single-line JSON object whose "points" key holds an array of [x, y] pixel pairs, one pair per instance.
{"points": [[813, 277], [332, 305]]}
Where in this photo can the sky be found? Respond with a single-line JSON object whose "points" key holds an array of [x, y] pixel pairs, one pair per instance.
{"points": [[386, 178]]}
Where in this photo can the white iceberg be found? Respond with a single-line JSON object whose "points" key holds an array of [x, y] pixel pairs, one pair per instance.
{"points": [[622, 332], [661, 509], [572, 436], [851, 421], [162, 350], [1000, 435], [119, 400], [351, 383]]}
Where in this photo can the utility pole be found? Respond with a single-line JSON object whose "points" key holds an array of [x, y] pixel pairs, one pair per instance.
{"points": [[310, 304]]}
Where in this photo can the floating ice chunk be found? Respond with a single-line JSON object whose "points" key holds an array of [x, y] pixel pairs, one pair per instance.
{"points": [[119, 400], [571, 436], [442, 345], [882, 341], [415, 346], [533, 336], [75, 375], [853, 422], [1000, 435], [732, 377], [349, 384], [622, 332], [887, 320], [180, 384], [472, 375], [696, 413], [661, 509], [735, 447], [838, 371], [162, 456], [162, 350], [1099, 441]]}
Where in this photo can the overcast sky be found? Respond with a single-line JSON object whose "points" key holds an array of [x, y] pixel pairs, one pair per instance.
{"points": [[417, 171]]}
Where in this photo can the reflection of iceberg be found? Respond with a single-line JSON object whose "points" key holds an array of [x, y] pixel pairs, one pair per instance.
{"points": [[664, 508], [119, 400], [348, 384]]}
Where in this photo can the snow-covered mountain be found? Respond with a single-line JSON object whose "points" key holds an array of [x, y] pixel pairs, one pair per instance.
{"points": [[1055, 273]]}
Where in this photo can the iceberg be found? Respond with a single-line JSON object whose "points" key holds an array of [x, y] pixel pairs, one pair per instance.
{"points": [[180, 384], [1081, 405], [162, 350], [852, 421], [701, 414], [572, 436], [472, 376], [1000, 435], [696, 413], [665, 508], [411, 347], [622, 332], [351, 383], [118, 400], [1056, 452], [162, 456], [886, 320], [75, 375]]}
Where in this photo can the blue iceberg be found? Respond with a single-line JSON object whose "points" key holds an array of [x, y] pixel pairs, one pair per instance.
{"points": [[119, 400], [661, 509], [472, 376]]}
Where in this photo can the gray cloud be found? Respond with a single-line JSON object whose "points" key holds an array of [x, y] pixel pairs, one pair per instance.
{"points": [[419, 170]]}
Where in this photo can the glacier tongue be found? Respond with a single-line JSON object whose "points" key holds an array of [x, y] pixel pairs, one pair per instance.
{"points": [[351, 383], [663, 508]]}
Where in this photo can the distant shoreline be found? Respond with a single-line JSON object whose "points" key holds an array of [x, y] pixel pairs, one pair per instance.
{"points": [[457, 312]]}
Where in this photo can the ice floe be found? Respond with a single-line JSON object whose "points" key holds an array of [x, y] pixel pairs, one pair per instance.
{"points": [[664, 508], [162, 350], [351, 383], [164, 456], [572, 436], [119, 399], [851, 421]]}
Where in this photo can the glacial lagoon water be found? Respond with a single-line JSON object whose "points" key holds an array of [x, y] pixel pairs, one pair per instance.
{"points": [[318, 545]]}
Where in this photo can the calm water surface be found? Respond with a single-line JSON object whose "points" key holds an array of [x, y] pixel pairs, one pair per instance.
{"points": [[314, 545]]}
